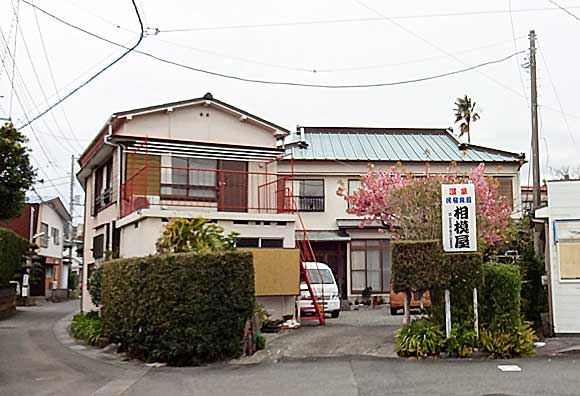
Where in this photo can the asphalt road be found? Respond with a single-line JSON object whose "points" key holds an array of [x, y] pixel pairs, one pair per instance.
{"points": [[33, 362]]}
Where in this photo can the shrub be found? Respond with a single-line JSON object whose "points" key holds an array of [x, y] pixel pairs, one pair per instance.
{"points": [[87, 327], [12, 250], [183, 309], [534, 294], [260, 342], [505, 344], [500, 297], [95, 284], [414, 263], [460, 273], [462, 339], [194, 235], [420, 338], [262, 315]]}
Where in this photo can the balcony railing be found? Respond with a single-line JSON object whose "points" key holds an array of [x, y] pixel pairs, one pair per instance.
{"points": [[207, 189], [309, 203]]}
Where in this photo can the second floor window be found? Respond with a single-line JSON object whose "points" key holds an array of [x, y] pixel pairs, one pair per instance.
{"points": [[353, 185], [44, 237], [103, 186], [55, 234], [193, 178], [309, 195]]}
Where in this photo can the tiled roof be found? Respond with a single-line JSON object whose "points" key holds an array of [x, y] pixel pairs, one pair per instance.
{"points": [[387, 144]]}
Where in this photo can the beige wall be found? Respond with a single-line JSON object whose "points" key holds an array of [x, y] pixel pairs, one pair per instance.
{"points": [[50, 216], [199, 123], [332, 173]]}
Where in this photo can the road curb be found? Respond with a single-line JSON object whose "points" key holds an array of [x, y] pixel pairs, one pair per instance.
{"points": [[62, 334]]}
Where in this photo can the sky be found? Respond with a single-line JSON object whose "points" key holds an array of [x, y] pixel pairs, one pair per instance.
{"points": [[340, 42]]}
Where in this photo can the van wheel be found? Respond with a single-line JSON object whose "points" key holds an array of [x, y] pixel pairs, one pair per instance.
{"points": [[335, 314], [394, 311]]}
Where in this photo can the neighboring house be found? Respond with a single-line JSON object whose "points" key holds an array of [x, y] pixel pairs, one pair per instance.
{"points": [[360, 257], [528, 197], [562, 217], [198, 157], [43, 222]]}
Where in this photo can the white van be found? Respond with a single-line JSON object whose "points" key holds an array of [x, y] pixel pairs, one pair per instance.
{"points": [[324, 287]]}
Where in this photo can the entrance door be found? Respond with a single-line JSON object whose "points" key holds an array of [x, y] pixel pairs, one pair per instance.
{"points": [[233, 186], [334, 255]]}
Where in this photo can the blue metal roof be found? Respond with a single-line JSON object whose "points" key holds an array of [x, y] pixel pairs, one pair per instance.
{"points": [[387, 144]]}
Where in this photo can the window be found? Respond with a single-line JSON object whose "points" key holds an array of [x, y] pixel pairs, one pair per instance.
{"points": [[193, 178], [319, 276], [271, 243], [103, 192], [260, 242], [54, 233], [99, 246], [248, 242], [44, 235], [569, 253], [370, 265], [353, 185], [309, 195], [506, 189]]}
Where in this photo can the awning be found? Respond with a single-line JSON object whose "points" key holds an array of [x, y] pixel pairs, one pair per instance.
{"points": [[356, 223], [323, 236]]}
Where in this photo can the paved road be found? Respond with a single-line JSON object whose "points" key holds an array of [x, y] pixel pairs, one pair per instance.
{"points": [[33, 362]]}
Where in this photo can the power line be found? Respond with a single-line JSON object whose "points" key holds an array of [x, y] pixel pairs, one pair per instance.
{"points": [[565, 10], [35, 72], [96, 74], [516, 48], [349, 20], [437, 47], [566, 123], [288, 83], [16, 15], [45, 52]]}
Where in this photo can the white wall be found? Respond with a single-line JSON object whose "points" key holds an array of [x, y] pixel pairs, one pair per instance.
{"points": [[50, 216], [139, 233], [199, 123], [564, 204]]}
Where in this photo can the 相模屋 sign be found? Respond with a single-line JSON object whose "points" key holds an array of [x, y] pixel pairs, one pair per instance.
{"points": [[458, 217]]}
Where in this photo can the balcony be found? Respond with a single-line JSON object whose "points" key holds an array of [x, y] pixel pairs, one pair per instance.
{"points": [[309, 203], [206, 190]]}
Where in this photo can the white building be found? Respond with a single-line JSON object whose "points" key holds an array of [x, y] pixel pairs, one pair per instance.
{"points": [[563, 254], [198, 157], [360, 257]]}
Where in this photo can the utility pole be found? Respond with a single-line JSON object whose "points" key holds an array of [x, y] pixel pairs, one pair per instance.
{"points": [[71, 208], [535, 141]]}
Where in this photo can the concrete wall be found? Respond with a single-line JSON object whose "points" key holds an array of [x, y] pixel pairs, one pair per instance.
{"points": [[50, 216], [199, 123], [564, 219]]}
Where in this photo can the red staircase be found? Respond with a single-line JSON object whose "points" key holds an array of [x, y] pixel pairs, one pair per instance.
{"points": [[307, 255]]}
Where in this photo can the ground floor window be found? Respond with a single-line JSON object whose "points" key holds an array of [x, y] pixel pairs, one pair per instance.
{"points": [[370, 265]]}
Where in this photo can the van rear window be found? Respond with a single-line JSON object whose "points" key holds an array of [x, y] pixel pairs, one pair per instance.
{"points": [[324, 274]]}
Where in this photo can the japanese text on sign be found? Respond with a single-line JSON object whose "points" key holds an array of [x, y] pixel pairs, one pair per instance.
{"points": [[458, 218]]}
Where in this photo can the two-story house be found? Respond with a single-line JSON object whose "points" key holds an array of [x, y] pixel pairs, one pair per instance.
{"points": [[198, 157], [43, 221], [360, 257]]}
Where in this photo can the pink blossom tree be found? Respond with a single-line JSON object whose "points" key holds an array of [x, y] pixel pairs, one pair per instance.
{"points": [[411, 205]]}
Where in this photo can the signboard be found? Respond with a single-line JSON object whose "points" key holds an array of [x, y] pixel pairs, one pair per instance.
{"points": [[458, 218]]}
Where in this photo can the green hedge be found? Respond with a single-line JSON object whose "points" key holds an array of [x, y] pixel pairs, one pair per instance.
{"points": [[500, 297], [12, 251], [183, 309], [414, 264]]}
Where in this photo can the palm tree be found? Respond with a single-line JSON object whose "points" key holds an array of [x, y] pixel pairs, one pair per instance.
{"points": [[465, 112]]}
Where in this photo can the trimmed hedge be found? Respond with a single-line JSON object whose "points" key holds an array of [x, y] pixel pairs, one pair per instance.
{"points": [[414, 264], [500, 297], [183, 309], [12, 251]]}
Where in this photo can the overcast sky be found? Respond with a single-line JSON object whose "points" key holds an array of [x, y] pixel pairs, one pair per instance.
{"points": [[384, 41]]}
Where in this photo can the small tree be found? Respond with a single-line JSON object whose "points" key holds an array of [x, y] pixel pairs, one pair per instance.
{"points": [[16, 172], [465, 112], [194, 235]]}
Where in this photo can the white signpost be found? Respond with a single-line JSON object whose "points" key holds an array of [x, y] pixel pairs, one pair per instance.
{"points": [[458, 210], [459, 234]]}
